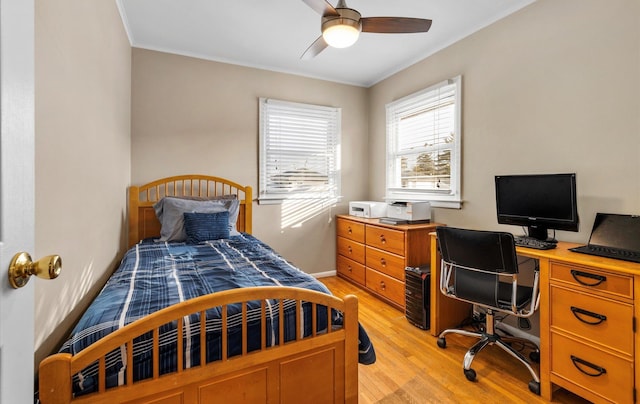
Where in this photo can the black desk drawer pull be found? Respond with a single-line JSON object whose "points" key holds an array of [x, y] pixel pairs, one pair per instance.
{"points": [[598, 278], [577, 361], [578, 312]]}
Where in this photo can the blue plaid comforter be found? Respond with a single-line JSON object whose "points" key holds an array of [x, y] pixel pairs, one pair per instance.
{"points": [[155, 275]]}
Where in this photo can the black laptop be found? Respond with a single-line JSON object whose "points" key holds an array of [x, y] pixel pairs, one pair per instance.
{"points": [[614, 236]]}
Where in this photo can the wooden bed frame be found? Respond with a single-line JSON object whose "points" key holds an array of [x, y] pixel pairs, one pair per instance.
{"points": [[320, 368]]}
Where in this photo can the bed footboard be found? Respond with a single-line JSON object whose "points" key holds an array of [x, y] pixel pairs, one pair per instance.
{"points": [[320, 365]]}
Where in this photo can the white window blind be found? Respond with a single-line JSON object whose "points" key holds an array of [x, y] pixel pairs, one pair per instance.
{"points": [[423, 145], [299, 150]]}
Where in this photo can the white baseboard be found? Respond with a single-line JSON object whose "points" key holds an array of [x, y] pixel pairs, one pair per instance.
{"points": [[323, 274]]}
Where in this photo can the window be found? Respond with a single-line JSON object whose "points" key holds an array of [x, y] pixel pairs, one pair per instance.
{"points": [[423, 145], [299, 151]]}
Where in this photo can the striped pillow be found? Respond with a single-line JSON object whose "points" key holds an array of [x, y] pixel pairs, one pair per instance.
{"points": [[206, 226]]}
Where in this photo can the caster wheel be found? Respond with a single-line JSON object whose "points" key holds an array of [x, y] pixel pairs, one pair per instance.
{"points": [[442, 343], [470, 374], [535, 356], [534, 386]]}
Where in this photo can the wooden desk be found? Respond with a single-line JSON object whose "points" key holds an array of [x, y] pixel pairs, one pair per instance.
{"points": [[588, 309]]}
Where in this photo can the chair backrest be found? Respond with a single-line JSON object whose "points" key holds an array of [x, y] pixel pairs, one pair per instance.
{"points": [[491, 251], [471, 251]]}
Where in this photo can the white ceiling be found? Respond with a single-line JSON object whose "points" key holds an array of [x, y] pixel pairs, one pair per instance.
{"points": [[273, 34]]}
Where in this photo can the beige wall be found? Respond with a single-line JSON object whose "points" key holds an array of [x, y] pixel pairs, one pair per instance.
{"points": [[552, 88], [195, 116], [82, 118]]}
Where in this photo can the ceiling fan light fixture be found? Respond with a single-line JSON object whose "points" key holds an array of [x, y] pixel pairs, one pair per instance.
{"points": [[342, 33]]}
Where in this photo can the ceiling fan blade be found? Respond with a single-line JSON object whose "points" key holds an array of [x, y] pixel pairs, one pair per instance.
{"points": [[316, 47], [322, 7], [395, 25]]}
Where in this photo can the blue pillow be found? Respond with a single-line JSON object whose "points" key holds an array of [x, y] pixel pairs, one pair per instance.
{"points": [[206, 226]]}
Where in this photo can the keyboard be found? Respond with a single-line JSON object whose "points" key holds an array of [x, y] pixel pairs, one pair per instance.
{"points": [[633, 256], [530, 242]]}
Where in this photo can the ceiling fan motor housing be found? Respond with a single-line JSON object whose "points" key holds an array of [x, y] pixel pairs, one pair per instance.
{"points": [[348, 16]]}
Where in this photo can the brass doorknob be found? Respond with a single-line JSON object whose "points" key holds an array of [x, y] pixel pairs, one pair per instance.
{"points": [[22, 267]]}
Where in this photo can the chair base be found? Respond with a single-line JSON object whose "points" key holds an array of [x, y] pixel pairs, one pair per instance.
{"points": [[491, 338]]}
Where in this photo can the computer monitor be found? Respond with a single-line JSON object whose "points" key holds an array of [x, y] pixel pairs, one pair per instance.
{"points": [[537, 201]]}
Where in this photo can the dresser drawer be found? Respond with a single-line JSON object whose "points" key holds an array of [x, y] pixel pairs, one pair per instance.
{"points": [[350, 229], [604, 321], [350, 269], [385, 286], [602, 373], [385, 239], [351, 249], [385, 262], [593, 279]]}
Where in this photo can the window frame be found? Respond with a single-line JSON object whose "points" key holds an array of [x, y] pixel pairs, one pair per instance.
{"points": [[404, 107], [333, 122]]}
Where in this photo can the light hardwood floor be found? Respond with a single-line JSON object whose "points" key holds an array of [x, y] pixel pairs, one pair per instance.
{"points": [[410, 368]]}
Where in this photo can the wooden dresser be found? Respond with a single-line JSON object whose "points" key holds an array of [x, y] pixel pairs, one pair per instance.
{"points": [[374, 255]]}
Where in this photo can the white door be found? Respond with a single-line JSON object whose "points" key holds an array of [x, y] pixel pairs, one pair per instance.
{"points": [[16, 196]]}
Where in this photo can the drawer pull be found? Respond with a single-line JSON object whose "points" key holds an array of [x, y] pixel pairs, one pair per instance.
{"points": [[382, 239], [578, 312], [383, 262], [382, 285], [598, 278], [577, 361], [350, 249], [349, 268], [349, 230]]}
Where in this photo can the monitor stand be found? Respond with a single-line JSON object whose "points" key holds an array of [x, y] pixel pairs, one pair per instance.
{"points": [[540, 233]]}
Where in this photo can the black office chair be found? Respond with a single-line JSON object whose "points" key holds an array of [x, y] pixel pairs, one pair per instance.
{"points": [[481, 267]]}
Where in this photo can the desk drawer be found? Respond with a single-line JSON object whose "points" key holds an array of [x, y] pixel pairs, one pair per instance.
{"points": [[385, 286], [385, 239], [593, 279], [387, 263], [350, 229], [604, 321], [350, 269], [351, 249], [604, 374]]}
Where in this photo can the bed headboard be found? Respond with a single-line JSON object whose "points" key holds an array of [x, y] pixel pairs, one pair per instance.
{"points": [[143, 222]]}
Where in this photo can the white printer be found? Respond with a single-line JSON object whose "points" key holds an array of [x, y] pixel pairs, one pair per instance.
{"points": [[368, 209], [409, 211]]}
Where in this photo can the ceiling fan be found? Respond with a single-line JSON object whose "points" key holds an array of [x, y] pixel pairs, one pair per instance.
{"points": [[342, 25]]}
